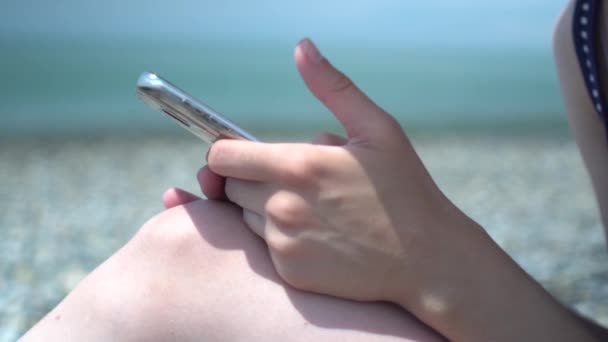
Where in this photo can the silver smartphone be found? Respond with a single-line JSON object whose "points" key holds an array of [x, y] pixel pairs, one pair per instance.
{"points": [[189, 113]]}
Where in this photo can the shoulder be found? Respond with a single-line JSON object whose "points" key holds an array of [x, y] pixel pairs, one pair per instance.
{"points": [[563, 46]]}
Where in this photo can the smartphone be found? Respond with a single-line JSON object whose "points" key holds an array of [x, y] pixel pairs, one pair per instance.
{"points": [[189, 112]]}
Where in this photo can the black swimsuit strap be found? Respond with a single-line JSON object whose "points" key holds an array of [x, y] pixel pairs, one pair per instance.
{"points": [[584, 32]]}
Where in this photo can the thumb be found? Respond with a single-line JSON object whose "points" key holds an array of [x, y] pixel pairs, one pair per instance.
{"points": [[360, 116]]}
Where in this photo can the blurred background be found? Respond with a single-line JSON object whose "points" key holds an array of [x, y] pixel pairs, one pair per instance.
{"points": [[84, 163], [72, 65]]}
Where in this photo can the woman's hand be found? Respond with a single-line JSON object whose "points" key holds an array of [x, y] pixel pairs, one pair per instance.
{"points": [[358, 218], [361, 218]]}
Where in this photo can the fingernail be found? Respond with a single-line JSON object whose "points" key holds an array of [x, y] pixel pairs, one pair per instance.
{"points": [[207, 155], [311, 51]]}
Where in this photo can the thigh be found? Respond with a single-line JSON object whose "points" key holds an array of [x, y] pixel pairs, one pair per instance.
{"points": [[195, 272]]}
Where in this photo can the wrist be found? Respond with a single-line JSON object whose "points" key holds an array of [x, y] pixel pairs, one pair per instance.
{"points": [[440, 273], [446, 251], [475, 291]]}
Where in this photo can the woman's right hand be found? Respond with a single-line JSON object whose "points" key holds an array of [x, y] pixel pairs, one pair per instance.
{"points": [[364, 220], [359, 218]]}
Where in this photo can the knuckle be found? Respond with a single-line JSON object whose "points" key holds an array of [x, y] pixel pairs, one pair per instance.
{"points": [[342, 83], [390, 121], [287, 210], [389, 129], [302, 168], [392, 125]]}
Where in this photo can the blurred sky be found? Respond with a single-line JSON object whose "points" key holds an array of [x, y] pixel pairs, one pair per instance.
{"points": [[469, 22]]}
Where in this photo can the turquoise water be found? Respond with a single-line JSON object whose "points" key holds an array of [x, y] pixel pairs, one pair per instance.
{"points": [[70, 67], [74, 85]]}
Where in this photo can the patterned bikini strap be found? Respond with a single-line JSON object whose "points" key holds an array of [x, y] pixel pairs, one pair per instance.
{"points": [[584, 32]]}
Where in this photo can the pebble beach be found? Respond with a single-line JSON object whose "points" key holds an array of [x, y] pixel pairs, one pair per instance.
{"points": [[67, 205]]}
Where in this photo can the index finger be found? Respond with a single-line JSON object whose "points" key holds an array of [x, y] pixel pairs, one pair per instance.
{"points": [[248, 160]]}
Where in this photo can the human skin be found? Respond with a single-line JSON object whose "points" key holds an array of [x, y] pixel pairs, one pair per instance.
{"points": [[362, 219], [109, 303], [585, 124], [196, 273]]}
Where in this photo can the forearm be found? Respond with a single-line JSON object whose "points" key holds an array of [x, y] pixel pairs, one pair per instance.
{"points": [[497, 296], [488, 297]]}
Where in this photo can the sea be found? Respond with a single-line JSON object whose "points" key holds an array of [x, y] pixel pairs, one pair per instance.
{"points": [[478, 66]]}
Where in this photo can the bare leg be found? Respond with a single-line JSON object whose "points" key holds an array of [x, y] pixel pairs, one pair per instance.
{"points": [[195, 272]]}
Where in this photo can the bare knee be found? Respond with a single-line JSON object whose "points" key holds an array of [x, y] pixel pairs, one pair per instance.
{"points": [[182, 247], [185, 276], [198, 236], [155, 287]]}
